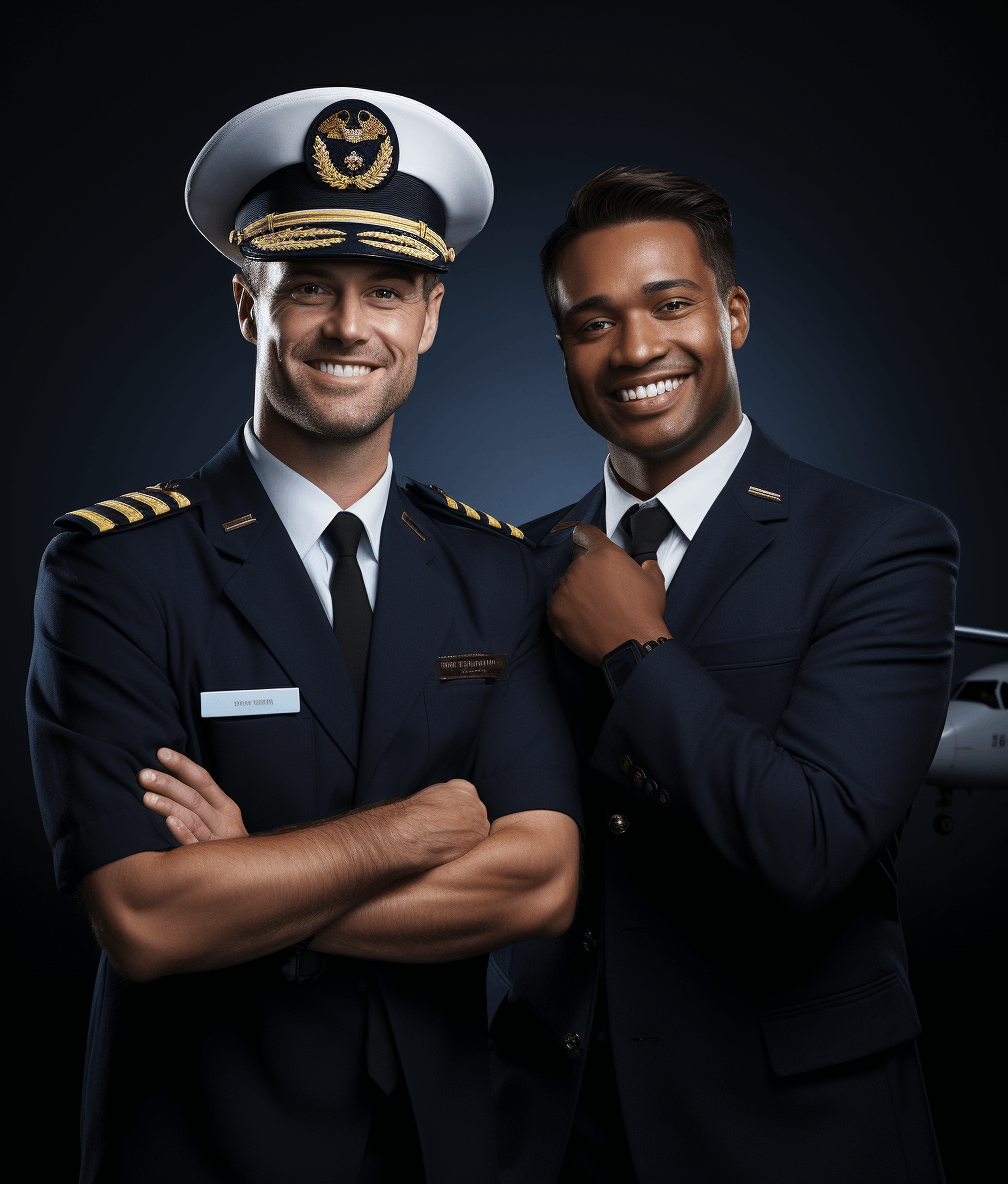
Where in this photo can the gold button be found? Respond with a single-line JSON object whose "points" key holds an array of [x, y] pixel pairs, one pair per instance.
{"points": [[618, 824]]}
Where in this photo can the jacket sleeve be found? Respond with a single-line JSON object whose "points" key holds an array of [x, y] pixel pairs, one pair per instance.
{"points": [[524, 756], [806, 809], [99, 704]]}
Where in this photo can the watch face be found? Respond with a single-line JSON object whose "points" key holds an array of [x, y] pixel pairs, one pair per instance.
{"points": [[619, 665]]}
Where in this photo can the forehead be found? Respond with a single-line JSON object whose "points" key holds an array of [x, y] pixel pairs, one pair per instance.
{"points": [[338, 271], [616, 261]]}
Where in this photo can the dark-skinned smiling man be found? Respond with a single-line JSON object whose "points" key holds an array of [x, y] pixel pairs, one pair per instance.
{"points": [[755, 659], [295, 728]]}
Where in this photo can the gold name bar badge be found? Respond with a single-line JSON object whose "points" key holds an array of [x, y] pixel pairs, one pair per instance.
{"points": [[451, 666]]}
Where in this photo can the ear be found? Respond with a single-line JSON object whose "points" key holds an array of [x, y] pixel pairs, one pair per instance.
{"points": [[245, 304], [431, 318], [738, 315]]}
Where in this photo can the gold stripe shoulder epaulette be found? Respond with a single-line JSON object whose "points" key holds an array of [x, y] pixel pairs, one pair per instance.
{"points": [[434, 495], [164, 500]]}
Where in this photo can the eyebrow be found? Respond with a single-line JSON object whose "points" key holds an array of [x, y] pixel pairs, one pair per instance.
{"points": [[603, 301], [664, 285]]}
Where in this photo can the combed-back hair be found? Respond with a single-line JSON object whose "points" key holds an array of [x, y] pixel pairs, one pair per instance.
{"points": [[621, 195]]}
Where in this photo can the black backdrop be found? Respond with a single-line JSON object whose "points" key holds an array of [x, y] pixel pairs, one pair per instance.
{"points": [[861, 167]]}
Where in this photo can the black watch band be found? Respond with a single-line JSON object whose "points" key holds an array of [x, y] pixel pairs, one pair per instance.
{"points": [[620, 663]]}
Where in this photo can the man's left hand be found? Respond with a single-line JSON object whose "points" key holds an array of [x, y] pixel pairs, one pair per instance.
{"points": [[605, 598], [194, 806]]}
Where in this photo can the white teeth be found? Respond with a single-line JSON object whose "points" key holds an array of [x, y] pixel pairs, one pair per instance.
{"points": [[338, 371], [641, 392], [624, 396], [652, 390], [661, 387]]}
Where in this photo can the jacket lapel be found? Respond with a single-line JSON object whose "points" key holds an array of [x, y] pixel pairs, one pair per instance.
{"points": [[585, 696], [738, 526], [413, 611], [553, 554], [274, 593]]}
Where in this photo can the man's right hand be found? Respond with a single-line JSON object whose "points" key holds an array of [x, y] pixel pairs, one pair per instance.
{"points": [[451, 819], [447, 819]]}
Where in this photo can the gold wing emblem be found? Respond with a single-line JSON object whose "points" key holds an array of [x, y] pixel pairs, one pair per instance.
{"points": [[335, 127], [329, 173]]}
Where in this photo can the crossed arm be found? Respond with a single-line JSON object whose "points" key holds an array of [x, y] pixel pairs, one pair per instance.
{"points": [[421, 879]]}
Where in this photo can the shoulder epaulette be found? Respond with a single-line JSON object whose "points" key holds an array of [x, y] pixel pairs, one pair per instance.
{"points": [[164, 500], [429, 497]]}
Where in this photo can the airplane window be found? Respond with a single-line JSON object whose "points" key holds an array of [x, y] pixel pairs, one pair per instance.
{"points": [[979, 692]]}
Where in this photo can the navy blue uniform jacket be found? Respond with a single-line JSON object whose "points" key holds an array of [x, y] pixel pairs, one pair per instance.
{"points": [[760, 768], [238, 1073]]}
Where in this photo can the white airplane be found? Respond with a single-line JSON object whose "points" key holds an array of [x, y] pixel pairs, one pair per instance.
{"points": [[973, 750]]}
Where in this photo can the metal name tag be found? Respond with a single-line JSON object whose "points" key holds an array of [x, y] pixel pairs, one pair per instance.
{"points": [[265, 701], [472, 666]]}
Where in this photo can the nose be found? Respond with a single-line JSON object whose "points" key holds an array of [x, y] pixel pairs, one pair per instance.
{"points": [[347, 322], [638, 343]]}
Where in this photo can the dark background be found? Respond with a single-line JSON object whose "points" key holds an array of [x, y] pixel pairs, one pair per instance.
{"points": [[860, 165]]}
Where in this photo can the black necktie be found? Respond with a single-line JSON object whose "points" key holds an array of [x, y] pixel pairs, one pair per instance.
{"points": [[646, 528], [351, 609]]}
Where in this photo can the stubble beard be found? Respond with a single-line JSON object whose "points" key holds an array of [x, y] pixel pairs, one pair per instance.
{"points": [[339, 417]]}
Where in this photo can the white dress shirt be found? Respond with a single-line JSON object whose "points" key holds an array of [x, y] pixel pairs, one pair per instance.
{"points": [[306, 511], [687, 499]]}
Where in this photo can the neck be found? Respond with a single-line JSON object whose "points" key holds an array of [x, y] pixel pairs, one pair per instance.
{"points": [[645, 476], [343, 469]]}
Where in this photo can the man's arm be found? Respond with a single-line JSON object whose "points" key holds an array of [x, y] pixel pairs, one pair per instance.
{"points": [[206, 905], [519, 882], [803, 810]]}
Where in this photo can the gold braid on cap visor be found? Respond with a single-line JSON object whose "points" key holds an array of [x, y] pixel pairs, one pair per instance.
{"points": [[287, 232]]}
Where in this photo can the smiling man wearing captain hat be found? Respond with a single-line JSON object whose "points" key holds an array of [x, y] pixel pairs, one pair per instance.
{"points": [[341, 680]]}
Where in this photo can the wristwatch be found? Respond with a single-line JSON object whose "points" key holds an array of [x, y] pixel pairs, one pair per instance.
{"points": [[620, 663]]}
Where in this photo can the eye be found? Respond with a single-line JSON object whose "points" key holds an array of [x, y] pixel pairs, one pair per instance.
{"points": [[309, 293], [594, 326], [385, 293], [673, 306]]}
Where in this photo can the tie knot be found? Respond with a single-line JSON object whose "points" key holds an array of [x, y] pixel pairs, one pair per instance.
{"points": [[647, 526], [344, 533]]}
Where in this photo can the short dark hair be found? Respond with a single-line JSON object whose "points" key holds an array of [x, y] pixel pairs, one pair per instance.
{"points": [[621, 195], [251, 272]]}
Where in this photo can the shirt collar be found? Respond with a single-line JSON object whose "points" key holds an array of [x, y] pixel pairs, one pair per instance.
{"points": [[689, 497], [306, 510]]}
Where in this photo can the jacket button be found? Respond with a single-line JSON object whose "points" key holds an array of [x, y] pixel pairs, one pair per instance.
{"points": [[573, 1042], [626, 764], [650, 787], [588, 941], [618, 824], [639, 777], [662, 797]]}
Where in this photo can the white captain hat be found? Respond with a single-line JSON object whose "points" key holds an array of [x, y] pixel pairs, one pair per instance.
{"points": [[341, 172]]}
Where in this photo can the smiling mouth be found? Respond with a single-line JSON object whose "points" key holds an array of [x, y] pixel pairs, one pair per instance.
{"points": [[338, 371], [630, 393]]}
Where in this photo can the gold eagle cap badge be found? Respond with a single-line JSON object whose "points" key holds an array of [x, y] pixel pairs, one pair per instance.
{"points": [[352, 145]]}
